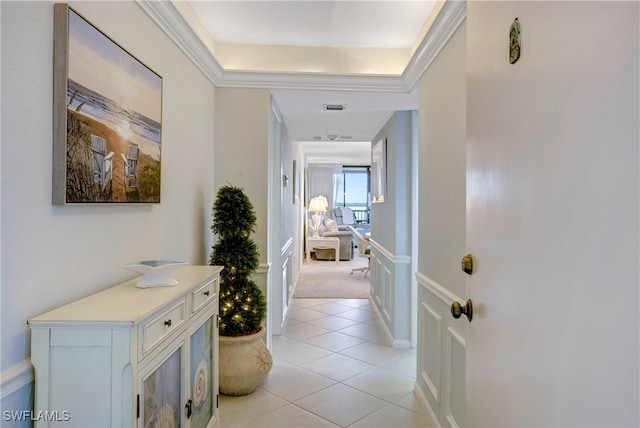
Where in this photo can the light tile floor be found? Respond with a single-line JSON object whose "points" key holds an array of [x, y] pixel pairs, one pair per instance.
{"points": [[331, 368]]}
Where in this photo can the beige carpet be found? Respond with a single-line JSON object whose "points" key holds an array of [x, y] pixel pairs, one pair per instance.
{"points": [[323, 279]]}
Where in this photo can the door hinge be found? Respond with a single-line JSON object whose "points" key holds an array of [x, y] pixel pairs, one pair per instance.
{"points": [[217, 398], [138, 407], [217, 322]]}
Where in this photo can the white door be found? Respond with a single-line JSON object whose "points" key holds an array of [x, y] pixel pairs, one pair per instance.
{"points": [[552, 215]]}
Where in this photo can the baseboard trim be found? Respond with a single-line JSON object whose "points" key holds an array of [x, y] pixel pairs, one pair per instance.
{"points": [[15, 378], [385, 329], [422, 399], [402, 344], [395, 343]]}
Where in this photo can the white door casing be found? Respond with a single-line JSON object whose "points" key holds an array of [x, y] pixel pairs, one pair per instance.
{"points": [[552, 215]]}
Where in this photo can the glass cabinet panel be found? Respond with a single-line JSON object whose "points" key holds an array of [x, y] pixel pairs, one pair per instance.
{"points": [[161, 399], [201, 374]]}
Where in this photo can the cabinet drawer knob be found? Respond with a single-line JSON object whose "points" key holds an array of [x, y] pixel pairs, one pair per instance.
{"points": [[168, 323], [206, 293]]}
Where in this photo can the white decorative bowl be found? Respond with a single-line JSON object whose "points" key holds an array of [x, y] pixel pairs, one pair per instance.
{"points": [[155, 273]]}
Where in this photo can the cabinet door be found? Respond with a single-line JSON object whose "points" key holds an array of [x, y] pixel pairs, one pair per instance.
{"points": [[162, 389], [203, 382]]}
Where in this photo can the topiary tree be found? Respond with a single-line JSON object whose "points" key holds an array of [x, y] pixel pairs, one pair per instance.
{"points": [[242, 304]]}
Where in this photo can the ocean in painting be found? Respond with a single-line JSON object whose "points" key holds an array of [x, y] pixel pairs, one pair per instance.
{"points": [[129, 124]]}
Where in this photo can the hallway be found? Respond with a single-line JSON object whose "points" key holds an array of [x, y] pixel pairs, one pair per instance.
{"points": [[331, 369]]}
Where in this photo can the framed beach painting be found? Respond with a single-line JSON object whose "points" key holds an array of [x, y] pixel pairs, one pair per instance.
{"points": [[107, 118]]}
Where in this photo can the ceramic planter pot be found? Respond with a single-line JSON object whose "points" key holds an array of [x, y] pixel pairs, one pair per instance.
{"points": [[244, 362]]}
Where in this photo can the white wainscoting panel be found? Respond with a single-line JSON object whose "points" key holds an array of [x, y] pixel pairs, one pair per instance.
{"points": [[389, 291], [387, 333], [261, 276], [455, 351], [281, 287], [418, 392], [285, 300], [441, 353], [16, 392], [262, 279], [15, 378], [375, 280], [430, 367], [387, 294]]}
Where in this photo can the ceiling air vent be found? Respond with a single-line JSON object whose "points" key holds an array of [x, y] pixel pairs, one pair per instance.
{"points": [[334, 107]]}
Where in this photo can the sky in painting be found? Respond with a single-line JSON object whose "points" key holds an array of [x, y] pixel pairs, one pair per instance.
{"points": [[99, 64]]}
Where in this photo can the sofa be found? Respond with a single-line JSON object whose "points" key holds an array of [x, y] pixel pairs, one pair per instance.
{"points": [[344, 217], [329, 230]]}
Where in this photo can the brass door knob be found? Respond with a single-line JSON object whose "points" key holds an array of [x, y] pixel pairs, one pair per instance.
{"points": [[467, 264], [457, 310]]}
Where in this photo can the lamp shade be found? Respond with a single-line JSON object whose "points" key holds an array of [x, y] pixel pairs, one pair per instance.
{"points": [[324, 202], [316, 205]]}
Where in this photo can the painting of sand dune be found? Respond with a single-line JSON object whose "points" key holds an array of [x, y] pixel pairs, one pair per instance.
{"points": [[107, 118]]}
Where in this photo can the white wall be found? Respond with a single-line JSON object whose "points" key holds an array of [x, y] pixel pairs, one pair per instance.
{"points": [[288, 219], [391, 233], [391, 220], [242, 158], [291, 212], [442, 171], [442, 240], [246, 155], [242, 149], [53, 255]]}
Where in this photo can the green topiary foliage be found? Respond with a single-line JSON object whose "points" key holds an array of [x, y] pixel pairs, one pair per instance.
{"points": [[242, 307], [233, 213], [242, 304], [239, 252]]}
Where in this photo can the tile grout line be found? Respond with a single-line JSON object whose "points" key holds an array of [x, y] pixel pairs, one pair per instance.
{"points": [[370, 366]]}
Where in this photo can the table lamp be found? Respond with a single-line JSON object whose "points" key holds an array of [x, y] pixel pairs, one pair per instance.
{"points": [[317, 206]]}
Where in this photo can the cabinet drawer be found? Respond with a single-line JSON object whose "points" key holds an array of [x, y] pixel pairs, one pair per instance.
{"points": [[160, 326], [203, 295]]}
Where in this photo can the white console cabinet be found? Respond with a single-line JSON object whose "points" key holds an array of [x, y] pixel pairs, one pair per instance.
{"points": [[131, 357]]}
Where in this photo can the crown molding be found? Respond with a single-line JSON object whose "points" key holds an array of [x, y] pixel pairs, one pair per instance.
{"points": [[167, 17], [453, 13], [311, 81]]}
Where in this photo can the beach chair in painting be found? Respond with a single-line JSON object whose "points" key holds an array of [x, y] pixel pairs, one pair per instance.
{"points": [[101, 162], [131, 167]]}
